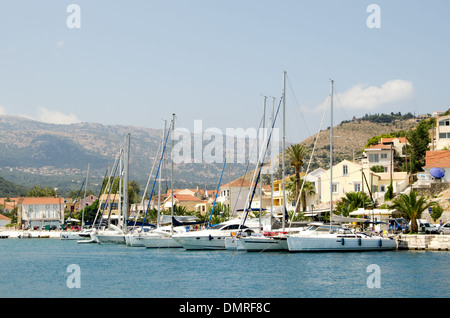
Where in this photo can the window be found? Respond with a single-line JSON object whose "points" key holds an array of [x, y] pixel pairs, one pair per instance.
{"points": [[357, 187], [444, 122], [384, 156], [382, 188], [345, 170], [444, 135], [374, 157], [334, 187]]}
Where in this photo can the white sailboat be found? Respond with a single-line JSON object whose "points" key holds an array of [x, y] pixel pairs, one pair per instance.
{"points": [[162, 237], [271, 240], [334, 238], [115, 234]]}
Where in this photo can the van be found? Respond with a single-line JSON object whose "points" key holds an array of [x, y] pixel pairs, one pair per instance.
{"points": [[426, 227]]}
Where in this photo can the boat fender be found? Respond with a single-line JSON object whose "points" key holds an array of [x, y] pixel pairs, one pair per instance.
{"points": [[342, 241], [380, 243], [359, 241], [209, 237]]}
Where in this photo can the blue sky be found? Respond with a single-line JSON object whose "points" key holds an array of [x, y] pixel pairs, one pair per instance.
{"points": [[137, 62]]}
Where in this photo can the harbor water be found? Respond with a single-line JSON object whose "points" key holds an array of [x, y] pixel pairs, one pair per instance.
{"points": [[52, 268]]}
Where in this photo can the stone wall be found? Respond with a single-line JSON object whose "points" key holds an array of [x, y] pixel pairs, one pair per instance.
{"points": [[423, 242]]}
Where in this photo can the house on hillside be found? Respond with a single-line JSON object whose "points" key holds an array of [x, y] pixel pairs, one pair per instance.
{"points": [[9, 204], [383, 154], [442, 134], [42, 212]]}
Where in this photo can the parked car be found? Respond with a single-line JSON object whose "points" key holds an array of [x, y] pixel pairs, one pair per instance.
{"points": [[444, 229], [426, 227]]}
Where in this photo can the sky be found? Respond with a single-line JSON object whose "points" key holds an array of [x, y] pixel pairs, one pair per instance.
{"points": [[137, 62]]}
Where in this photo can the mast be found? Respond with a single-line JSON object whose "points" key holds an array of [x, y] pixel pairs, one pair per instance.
{"points": [[125, 181], [331, 155], [271, 170], [171, 174], [84, 201], [260, 180], [283, 147], [159, 184]]}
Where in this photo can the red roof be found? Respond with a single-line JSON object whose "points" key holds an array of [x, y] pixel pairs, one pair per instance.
{"points": [[400, 139], [42, 200], [438, 159], [379, 146], [185, 197]]}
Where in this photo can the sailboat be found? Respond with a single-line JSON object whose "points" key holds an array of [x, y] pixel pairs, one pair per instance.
{"points": [[270, 240], [84, 233], [116, 234], [162, 237], [331, 237]]}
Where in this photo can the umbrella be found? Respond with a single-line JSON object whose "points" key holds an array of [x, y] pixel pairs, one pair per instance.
{"points": [[437, 172]]}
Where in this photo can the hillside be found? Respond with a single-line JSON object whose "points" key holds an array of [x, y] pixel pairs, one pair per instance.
{"points": [[350, 139]]}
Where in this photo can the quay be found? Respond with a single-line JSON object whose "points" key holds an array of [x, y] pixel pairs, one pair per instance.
{"points": [[423, 242]]}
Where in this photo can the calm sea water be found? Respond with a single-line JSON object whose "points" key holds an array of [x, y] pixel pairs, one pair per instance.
{"points": [[37, 268]]}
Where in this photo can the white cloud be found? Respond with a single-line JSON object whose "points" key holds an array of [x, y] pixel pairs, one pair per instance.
{"points": [[55, 117], [2, 110], [363, 97]]}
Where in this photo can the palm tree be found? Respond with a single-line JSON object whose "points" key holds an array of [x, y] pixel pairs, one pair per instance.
{"points": [[352, 201], [412, 207], [309, 189], [297, 154]]}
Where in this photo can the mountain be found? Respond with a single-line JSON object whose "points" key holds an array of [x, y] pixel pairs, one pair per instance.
{"points": [[33, 152]]}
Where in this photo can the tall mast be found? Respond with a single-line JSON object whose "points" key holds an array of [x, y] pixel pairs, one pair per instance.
{"points": [[283, 147], [171, 173], [159, 184], [84, 201], [331, 154], [260, 180], [125, 181]]}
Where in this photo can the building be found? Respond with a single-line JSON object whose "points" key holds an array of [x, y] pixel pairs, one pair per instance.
{"points": [[383, 154], [110, 207], [437, 159], [4, 220], [42, 212], [442, 134], [352, 177]]}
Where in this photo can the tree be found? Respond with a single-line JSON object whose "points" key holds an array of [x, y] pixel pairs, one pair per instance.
{"points": [[436, 212], [352, 201], [309, 189], [418, 140], [297, 154], [412, 207], [38, 191]]}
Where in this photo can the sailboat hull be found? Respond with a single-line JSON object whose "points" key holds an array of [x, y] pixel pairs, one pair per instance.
{"points": [[160, 242], [111, 238], [263, 243], [332, 243], [198, 242]]}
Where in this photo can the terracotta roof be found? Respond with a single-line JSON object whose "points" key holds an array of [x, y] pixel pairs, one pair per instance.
{"points": [[185, 197], [241, 182], [42, 200], [438, 159], [379, 146], [4, 217]]}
